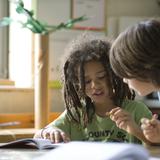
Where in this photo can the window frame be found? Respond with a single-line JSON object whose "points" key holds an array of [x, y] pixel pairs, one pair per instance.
{"points": [[4, 42]]}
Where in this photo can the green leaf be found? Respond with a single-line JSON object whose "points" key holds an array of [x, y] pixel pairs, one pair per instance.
{"points": [[19, 10], [20, 3]]}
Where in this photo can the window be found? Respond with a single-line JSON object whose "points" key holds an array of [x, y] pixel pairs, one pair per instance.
{"points": [[20, 50], [15, 48]]}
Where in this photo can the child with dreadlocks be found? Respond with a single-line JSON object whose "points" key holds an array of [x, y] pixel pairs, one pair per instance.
{"points": [[99, 106]]}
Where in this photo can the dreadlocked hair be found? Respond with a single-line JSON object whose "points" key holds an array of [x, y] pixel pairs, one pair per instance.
{"points": [[79, 106]]}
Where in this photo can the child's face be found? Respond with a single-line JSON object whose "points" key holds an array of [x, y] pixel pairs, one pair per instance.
{"points": [[95, 82], [142, 88]]}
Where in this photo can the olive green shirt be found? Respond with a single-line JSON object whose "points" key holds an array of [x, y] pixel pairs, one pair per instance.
{"points": [[103, 128]]}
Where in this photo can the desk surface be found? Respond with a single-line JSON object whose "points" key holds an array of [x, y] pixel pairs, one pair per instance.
{"points": [[20, 154], [154, 151], [29, 154]]}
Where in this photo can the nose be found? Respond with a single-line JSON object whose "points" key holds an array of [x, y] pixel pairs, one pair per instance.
{"points": [[125, 80], [94, 84]]}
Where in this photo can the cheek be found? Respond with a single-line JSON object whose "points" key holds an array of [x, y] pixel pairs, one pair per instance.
{"points": [[87, 90], [134, 84], [131, 83]]}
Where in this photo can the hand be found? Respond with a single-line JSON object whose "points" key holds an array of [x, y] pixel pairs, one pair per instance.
{"points": [[124, 120], [151, 129], [56, 135]]}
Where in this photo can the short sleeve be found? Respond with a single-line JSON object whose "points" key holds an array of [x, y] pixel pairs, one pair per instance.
{"points": [[138, 110], [142, 111], [62, 122]]}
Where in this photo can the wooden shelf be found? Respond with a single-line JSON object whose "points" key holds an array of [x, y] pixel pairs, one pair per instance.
{"points": [[6, 82], [7, 135], [25, 120]]}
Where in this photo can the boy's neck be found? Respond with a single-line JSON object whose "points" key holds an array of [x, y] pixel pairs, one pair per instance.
{"points": [[102, 109]]}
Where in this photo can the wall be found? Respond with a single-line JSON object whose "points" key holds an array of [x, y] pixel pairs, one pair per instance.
{"points": [[117, 14], [3, 41], [118, 8], [22, 100], [122, 13], [16, 100]]}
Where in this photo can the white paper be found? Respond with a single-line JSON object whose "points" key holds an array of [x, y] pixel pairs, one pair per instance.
{"points": [[154, 158], [94, 10], [97, 151]]}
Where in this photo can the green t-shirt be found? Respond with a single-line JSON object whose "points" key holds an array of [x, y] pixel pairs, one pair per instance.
{"points": [[103, 128]]}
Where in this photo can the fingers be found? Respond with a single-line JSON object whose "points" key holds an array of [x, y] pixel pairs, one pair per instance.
{"points": [[65, 137], [147, 123], [118, 113], [151, 128], [154, 121], [123, 119], [114, 110], [121, 122], [55, 135], [155, 116], [59, 136], [147, 126]]}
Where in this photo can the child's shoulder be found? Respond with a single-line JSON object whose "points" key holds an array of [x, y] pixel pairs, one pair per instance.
{"points": [[137, 108], [134, 104]]}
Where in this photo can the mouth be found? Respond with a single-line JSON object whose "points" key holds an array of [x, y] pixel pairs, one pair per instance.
{"points": [[98, 93]]}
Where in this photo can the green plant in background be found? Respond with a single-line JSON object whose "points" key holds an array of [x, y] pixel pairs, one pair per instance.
{"points": [[35, 25]]}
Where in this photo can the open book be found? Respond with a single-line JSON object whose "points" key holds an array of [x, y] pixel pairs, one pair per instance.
{"points": [[97, 151], [31, 143]]}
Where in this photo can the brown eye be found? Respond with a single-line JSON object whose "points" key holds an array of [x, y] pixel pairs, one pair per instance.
{"points": [[102, 76], [87, 81]]}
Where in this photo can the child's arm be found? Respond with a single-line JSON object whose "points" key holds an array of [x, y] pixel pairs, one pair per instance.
{"points": [[56, 135], [124, 120], [151, 129]]}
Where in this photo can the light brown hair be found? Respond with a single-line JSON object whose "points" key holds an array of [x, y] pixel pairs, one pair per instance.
{"points": [[136, 52]]}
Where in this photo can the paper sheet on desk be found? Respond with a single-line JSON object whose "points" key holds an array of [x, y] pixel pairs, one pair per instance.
{"points": [[97, 151], [154, 158]]}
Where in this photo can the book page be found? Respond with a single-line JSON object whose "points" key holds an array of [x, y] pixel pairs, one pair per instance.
{"points": [[29, 143]]}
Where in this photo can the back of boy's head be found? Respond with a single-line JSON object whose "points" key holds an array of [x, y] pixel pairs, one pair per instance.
{"points": [[87, 48], [136, 52]]}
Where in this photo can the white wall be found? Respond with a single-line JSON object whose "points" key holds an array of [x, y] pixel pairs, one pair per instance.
{"points": [[22, 100], [3, 41], [118, 8], [16, 100], [122, 13]]}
